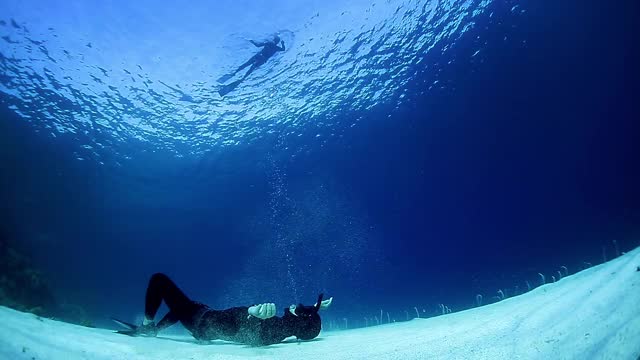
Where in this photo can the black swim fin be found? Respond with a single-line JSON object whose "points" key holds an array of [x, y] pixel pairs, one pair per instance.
{"points": [[225, 89], [131, 329]]}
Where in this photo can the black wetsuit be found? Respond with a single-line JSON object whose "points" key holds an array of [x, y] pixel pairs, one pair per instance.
{"points": [[232, 324], [269, 48]]}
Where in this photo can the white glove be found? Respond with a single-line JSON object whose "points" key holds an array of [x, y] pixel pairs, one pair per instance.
{"points": [[325, 303], [263, 311]]}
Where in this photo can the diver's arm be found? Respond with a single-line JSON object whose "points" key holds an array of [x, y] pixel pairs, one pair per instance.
{"points": [[281, 48], [257, 44], [324, 304], [262, 311]]}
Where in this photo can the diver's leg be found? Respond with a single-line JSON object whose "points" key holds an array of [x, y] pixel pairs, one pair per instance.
{"points": [[247, 63], [162, 288], [251, 69], [259, 60], [168, 320], [181, 308]]}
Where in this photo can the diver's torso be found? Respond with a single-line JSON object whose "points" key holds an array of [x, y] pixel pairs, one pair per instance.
{"points": [[230, 325]]}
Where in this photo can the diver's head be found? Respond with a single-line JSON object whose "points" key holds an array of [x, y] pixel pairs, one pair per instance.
{"points": [[305, 319], [276, 39]]}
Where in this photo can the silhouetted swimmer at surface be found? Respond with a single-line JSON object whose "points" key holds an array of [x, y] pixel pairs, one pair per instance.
{"points": [[269, 48], [255, 325]]}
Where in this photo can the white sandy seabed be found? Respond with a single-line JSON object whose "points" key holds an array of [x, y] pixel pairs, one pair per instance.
{"points": [[594, 314]]}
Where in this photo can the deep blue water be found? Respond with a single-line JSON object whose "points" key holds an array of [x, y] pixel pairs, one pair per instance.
{"points": [[510, 151]]}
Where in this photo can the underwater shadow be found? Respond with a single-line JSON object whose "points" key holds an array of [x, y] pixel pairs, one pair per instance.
{"points": [[222, 342]]}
